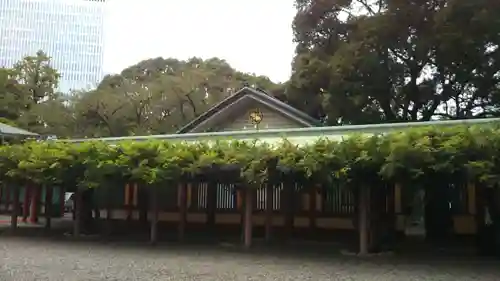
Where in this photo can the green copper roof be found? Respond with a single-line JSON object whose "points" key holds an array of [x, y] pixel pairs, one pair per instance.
{"points": [[298, 135]]}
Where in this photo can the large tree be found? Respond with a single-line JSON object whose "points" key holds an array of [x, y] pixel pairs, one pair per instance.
{"points": [[28, 96], [158, 96], [155, 96], [372, 61]]}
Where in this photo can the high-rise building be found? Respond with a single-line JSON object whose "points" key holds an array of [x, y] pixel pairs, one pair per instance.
{"points": [[69, 31]]}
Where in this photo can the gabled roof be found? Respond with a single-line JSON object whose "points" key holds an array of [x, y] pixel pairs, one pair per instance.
{"points": [[7, 130], [247, 94]]}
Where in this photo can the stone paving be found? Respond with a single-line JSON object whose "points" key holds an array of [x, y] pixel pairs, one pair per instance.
{"points": [[35, 258]]}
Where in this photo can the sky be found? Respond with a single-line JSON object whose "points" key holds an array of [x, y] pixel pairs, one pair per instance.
{"points": [[251, 35]]}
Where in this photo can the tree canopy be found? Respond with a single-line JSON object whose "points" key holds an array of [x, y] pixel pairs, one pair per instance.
{"points": [[374, 61], [155, 96], [356, 62]]}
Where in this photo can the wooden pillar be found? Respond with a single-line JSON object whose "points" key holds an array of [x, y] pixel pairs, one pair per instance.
{"points": [[240, 204], [77, 222], [129, 195], [269, 211], [397, 198], [35, 199], [313, 191], [143, 204], [26, 202], [471, 190], [182, 210], [7, 197], [15, 207], [211, 205], [109, 210], [288, 202], [135, 197], [364, 200], [248, 216], [62, 200], [154, 214], [48, 207]]}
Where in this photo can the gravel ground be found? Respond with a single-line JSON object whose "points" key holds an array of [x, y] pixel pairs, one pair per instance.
{"points": [[41, 259]]}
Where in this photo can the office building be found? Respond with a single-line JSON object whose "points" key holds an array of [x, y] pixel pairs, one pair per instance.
{"points": [[69, 31]]}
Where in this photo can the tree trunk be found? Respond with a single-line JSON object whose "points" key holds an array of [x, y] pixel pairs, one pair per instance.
{"points": [[269, 211], [248, 216], [182, 211], [154, 215], [15, 208], [77, 223], [364, 199], [48, 207]]}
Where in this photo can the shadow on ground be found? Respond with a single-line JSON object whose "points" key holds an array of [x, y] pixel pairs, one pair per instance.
{"points": [[410, 252]]}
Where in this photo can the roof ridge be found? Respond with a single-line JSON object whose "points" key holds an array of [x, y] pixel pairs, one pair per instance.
{"points": [[237, 95]]}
